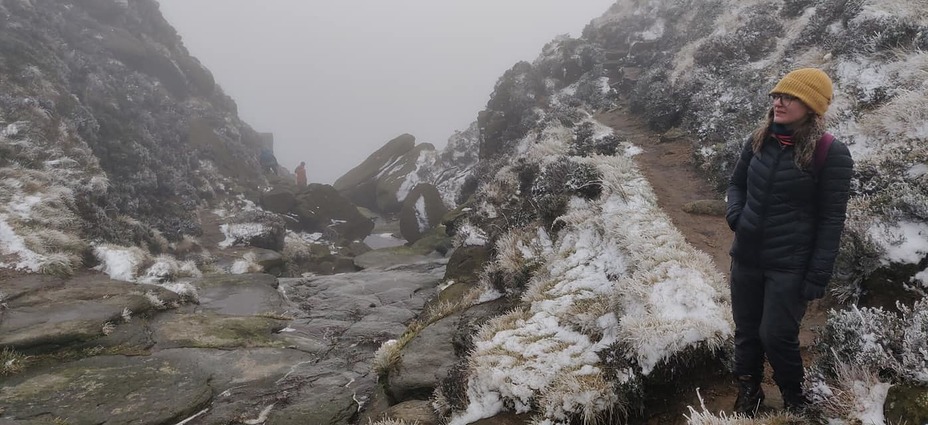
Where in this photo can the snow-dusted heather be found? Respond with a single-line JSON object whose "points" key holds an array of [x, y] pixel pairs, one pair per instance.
{"points": [[904, 242], [167, 269], [470, 235], [13, 244], [119, 262]]}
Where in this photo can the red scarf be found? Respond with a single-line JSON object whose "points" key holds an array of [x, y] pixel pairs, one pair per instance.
{"points": [[784, 139]]}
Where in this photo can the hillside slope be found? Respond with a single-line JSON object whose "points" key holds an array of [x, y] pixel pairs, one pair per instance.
{"points": [[109, 131]]}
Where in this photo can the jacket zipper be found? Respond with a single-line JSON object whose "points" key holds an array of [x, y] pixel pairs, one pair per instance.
{"points": [[766, 204]]}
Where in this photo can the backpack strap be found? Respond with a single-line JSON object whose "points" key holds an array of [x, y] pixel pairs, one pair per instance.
{"points": [[821, 152]]}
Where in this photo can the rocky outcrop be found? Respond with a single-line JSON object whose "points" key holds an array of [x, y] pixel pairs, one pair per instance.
{"points": [[422, 210], [384, 180], [107, 102], [365, 184]]}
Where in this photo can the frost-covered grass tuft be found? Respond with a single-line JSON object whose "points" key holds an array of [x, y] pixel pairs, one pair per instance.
{"points": [[618, 271], [247, 264], [119, 262], [386, 357], [167, 269], [394, 422], [856, 394], [707, 418], [470, 235]]}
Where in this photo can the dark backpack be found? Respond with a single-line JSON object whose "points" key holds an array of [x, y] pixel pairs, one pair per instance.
{"points": [[821, 153]]}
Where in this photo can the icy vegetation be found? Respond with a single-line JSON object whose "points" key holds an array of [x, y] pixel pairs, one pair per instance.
{"points": [[617, 283], [602, 305]]}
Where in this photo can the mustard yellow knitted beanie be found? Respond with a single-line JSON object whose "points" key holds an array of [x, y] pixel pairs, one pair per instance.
{"points": [[811, 85]]}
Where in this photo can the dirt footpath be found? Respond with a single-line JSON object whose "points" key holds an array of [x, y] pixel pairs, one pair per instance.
{"points": [[668, 166]]}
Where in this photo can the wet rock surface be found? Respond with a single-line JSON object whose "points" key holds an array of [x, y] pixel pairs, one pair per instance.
{"points": [[108, 389], [255, 348]]}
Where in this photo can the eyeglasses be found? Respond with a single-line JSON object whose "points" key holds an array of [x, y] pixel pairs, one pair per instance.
{"points": [[784, 98]]}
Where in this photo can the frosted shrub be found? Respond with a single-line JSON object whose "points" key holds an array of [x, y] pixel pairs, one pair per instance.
{"points": [[876, 342], [750, 42], [863, 336], [858, 256], [896, 181], [588, 143], [558, 181], [914, 344]]}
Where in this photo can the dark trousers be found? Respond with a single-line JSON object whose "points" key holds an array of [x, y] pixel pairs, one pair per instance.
{"points": [[767, 307]]}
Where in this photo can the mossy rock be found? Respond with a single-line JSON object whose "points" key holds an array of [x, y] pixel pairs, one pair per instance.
{"points": [[217, 331], [672, 135], [214, 280], [466, 263], [712, 207], [435, 240], [453, 219], [95, 390], [906, 404]]}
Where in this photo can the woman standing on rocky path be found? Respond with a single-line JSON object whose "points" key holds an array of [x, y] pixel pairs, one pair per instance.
{"points": [[787, 199]]}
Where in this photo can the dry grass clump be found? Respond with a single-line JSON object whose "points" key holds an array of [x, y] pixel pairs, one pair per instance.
{"points": [[12, 362], [393, 422], [388, 356]]}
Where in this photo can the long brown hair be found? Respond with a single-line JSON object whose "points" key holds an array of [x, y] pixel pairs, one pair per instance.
{"points": [[805, 136]]}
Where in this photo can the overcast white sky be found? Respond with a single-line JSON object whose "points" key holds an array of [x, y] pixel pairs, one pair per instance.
{"points": [[334, 80]]}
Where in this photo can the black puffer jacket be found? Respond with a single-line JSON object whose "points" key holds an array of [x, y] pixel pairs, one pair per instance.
{"points": [[786, 218]]}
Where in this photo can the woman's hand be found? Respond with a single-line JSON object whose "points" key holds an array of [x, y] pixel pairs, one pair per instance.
{"points": [[811, 291]]}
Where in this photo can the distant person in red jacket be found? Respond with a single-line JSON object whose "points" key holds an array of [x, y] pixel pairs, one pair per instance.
{"points": [[300, 172]]}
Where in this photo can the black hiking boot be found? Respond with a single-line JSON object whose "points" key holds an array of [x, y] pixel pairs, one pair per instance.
{"points": [[794, 400], [750, 396]]}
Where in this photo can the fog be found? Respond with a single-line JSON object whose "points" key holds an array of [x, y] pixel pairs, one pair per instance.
{"points": [[334, 80]]}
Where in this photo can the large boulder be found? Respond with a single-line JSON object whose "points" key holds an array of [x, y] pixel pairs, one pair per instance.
{"points": [[422, 210], [396, 181], [383, 180], [320, 208], [254, 228], [360, 183], [280, 200]]}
